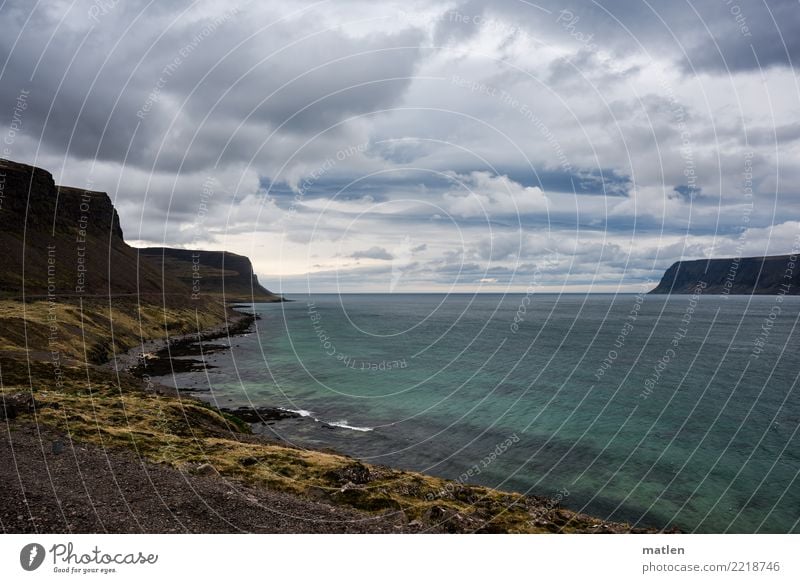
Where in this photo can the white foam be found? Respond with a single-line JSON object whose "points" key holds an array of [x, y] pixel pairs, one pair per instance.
{"points": [[301, 412], [343, 424]]}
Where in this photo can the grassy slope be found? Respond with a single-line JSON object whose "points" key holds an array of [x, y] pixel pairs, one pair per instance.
{"points": [[84, 331]]}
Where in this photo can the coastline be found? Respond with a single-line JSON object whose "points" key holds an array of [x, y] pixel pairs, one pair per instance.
{"points": [[549, 515], [235, 325]]}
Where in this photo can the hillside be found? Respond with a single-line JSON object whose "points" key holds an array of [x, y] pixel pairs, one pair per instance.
{"points": [[67, 242], [214, 272], [87, 293], [748, 275]]}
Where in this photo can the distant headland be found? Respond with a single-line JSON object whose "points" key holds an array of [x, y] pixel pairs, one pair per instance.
{"points": [[769, 275]]}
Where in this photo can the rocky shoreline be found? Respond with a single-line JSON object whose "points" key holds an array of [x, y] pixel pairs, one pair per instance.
{"points": [[174, 356], [170, 357], [156, 357], [164, 449]]}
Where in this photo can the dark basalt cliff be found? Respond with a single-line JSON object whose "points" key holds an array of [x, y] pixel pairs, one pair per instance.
{"points": [[61, 241], [778, 274], [215, 272]]}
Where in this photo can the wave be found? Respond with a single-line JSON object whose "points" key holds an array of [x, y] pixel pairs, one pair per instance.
{"points": [[301, 412], [342, 424]]}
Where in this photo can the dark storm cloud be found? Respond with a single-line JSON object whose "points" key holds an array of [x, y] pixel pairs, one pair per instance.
{"points": [[701, 35], [747, 36], [111, 96]]}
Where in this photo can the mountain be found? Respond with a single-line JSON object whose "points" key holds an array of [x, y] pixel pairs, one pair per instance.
{"points": [[778, 274], [63, 242], [66, 241], [215, 272]]}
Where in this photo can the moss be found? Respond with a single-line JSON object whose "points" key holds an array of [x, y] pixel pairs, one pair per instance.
{"points": [[94, 331]]}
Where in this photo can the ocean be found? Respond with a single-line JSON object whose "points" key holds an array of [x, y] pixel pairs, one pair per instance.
{"points": [[659, 411]]}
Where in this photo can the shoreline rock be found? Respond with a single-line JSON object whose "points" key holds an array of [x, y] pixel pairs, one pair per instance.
{"points": [[155, 357]]}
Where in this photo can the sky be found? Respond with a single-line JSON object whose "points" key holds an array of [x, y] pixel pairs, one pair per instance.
{"points": [[477, 146]]}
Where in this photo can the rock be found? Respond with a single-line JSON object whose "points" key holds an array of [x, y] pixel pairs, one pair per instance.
{"points": [[205, 470], [449, 520], [261, 414], [248, 461], [17, 404], [7, 411], [355, 473]]}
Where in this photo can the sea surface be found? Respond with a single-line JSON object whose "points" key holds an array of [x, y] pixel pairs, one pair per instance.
{"points": [[661, 411]]}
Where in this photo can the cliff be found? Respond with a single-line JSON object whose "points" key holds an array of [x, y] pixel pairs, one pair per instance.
{"points": [[748, 275], [211, 272], [62, 242]]}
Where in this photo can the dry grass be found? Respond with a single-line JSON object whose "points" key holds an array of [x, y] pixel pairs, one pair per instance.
{"points": [[93, 330]]}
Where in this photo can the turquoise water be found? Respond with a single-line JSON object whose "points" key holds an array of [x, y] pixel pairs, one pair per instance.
{"points": [[659, 411]]}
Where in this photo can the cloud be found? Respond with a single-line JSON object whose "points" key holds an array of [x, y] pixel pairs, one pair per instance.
{"points": [[746, 37], [480, 194], [373, 253], [687, 192], [436, 144]]}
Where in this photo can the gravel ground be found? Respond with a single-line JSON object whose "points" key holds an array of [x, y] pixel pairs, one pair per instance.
{"points": [[50, 485]]}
